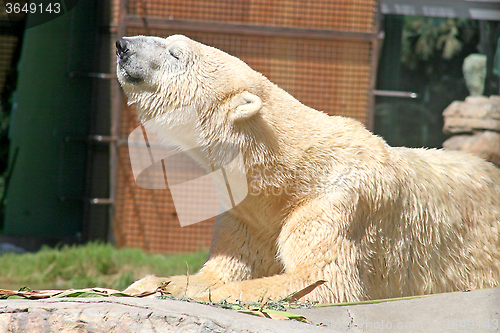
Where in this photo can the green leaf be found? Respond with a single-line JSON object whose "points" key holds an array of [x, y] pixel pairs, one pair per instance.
{"points": [[80, 293], [375, 301], [12, 297], [121, 295], [273, 314]]}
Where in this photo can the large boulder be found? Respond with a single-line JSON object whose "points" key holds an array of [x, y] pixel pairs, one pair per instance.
{"points": [[476, 113], [485, 144]]}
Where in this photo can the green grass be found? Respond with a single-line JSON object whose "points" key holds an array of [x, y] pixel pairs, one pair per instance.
{"points": [[90, 265]]}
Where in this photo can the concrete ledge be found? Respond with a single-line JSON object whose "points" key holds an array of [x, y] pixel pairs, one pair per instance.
{"points": [[476, 311]]}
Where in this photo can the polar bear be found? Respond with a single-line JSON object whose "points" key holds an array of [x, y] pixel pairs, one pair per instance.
{"points": [[328, 201]]}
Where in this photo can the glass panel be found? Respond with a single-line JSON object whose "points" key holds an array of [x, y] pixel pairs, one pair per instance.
{"points": [[425, 55]]}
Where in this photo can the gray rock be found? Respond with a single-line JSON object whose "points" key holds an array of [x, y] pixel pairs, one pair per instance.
{"points": [[134, 315], [476, 311], [484, 144], [10, 248], [474, 70], [474, 114]]}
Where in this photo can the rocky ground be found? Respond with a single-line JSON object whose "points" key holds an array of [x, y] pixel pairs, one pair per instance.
{"points": [[475, 311]]}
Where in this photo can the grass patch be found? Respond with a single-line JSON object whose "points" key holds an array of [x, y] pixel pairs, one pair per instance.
{"points": [[91, 265]]}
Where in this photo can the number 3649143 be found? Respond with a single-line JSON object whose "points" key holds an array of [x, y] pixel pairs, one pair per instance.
{"points": [[18, 8]]}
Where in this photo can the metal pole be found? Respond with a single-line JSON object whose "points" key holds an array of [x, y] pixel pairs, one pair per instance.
{"points": [[377, 43], [117, 31]]}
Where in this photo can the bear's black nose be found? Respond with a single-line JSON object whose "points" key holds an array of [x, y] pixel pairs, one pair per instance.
{"points": [[121, 47]]}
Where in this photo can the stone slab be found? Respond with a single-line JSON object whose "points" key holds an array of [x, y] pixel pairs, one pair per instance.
{"points": [[473, 114], [476, 311]]}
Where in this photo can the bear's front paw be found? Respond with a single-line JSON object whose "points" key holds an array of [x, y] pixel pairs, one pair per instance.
{"points": [[152, 285]]}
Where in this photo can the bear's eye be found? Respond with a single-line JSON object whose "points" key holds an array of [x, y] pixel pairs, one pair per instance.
{"points": [[175, 52]]}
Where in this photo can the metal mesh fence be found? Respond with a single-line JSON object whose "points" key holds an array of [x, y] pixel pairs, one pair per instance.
{"points": [[346, 15], [7, 47], [147, 218], [328, 74], [8, 41]]}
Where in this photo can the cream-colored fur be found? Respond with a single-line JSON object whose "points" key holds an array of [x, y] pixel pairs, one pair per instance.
{"points": [[328, 200]]}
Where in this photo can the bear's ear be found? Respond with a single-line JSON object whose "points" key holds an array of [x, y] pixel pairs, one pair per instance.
{"points": [[244, 105]]}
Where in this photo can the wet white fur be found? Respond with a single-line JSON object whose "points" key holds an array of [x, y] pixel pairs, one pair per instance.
{"points": [[330, 200]]}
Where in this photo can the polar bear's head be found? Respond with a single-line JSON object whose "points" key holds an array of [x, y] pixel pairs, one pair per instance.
{"points": [[160, 75]]}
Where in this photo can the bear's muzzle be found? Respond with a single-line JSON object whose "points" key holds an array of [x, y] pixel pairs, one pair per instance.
{"points": [[122, 47]]}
